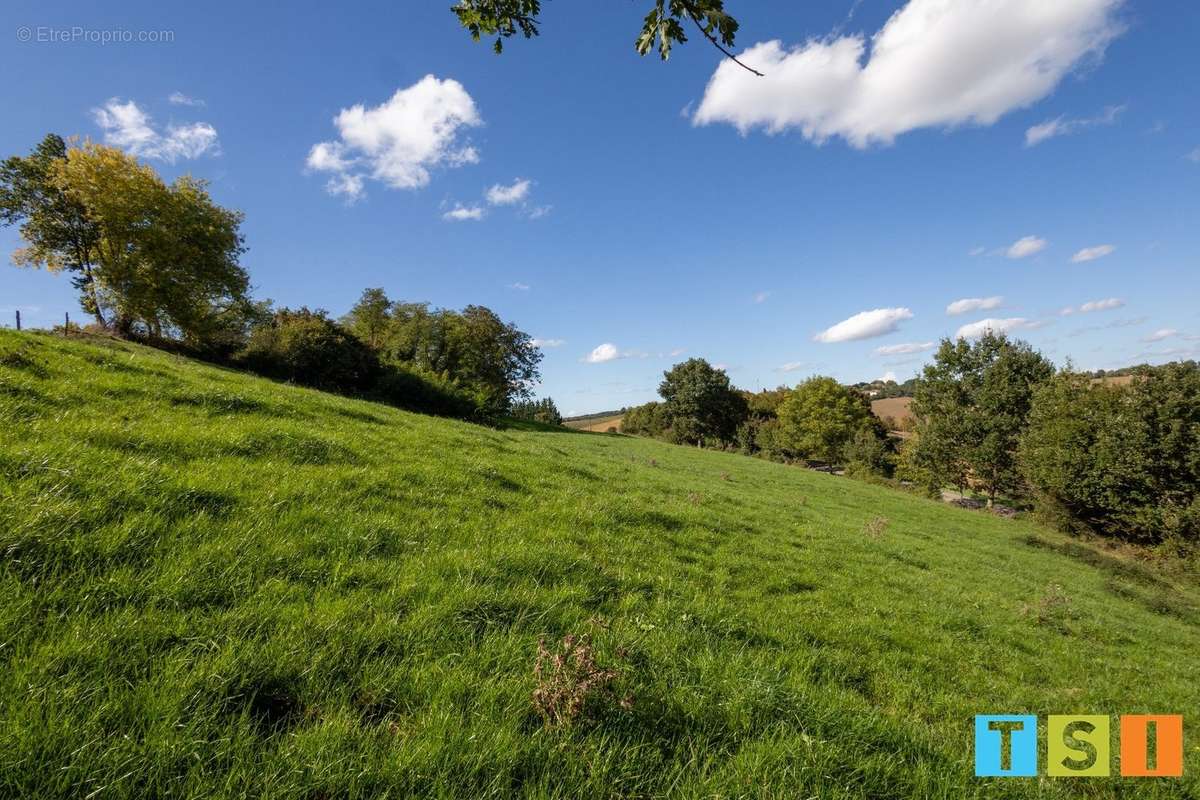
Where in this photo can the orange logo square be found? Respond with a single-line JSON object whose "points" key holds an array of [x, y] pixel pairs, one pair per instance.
{"points": [[1141, 758]]}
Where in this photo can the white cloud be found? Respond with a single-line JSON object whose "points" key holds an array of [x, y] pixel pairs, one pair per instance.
{"points": [[792, 366], [1194, 156], [546, 343], [1026, 246], [461, 213], [974, 330], [602, 353], [181, 99], [537, 212], [1101, 305], [520, 287], [888, 376], [1061, 126], [127, 126], [1092, 253], [344, 183], [1159, 335], [761, 297], [976, 251], [865, 325], [499, 195], [903, 349], [973, 304], [935, 63], [399, 141], [678, 351]]}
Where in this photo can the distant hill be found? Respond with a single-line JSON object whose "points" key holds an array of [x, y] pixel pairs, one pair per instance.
{"points": [[596, 422], [896, 412]]}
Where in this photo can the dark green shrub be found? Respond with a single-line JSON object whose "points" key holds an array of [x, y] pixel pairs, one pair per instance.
{"points": [[415, 390], [308, 348]]}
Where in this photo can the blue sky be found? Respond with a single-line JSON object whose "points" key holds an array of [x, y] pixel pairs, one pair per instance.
{"points": [[888, 164]]}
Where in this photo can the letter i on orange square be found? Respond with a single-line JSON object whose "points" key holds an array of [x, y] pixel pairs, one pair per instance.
{"points": [[1163, 758]]}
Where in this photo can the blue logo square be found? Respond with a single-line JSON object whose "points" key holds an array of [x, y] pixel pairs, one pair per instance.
{"points": [[1005, 746]]}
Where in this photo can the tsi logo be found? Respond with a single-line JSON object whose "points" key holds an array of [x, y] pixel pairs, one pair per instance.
{"points": [[1078, 745]]}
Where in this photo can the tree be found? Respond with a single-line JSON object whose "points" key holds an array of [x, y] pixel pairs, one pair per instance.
{"points": [[820, 417], [57, 231], [474, 347], [648, 419], [971, 407], [662, 28], [369, 318], [1121, 461], [699, 402], [870, 452], [157, 259]]}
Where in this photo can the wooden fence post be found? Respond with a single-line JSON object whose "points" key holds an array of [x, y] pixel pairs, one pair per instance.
{"points": [[18, 319]]}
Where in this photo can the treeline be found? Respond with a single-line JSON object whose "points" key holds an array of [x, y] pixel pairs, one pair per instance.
{"points": [[992, 417], [543, 411], [882, 390], [160, 262], [1117, 460], [819, 422]]}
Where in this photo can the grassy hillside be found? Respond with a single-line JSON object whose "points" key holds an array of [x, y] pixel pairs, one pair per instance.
{"points": [[214, 585]]}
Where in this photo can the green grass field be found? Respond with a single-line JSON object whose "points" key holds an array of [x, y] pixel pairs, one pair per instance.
{"points": [[218, 586]]}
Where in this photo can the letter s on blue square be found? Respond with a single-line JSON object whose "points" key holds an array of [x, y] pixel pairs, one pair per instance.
{"points": [[991, 758]]}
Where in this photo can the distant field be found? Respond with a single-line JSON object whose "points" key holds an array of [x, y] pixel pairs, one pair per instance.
{"points": [[898, 408], [596, 424], [218, 586]]}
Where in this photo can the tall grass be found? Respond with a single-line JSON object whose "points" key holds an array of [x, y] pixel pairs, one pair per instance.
{"points": [[218, 586]]}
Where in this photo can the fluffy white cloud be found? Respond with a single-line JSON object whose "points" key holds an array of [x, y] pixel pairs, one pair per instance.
{"points": [[974, 330], [1026, 246], [976, 251], [349, 185], [761, 297], [1062, 126], [890, 375], [399, 141], [1102, 305], [1159, 335], [181, 99], [973, 304], [1092, 253], [1194, 156], [546, 343], [127, 126], [602, 353], [938, 63], [520, 287], [537, 212], [499, 195], [865, 325], [903, 349], [461, 213], [792, 366]]}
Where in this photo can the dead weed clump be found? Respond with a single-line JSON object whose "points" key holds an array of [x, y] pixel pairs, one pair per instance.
{"points": [[569, 682], [876, 528]]}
